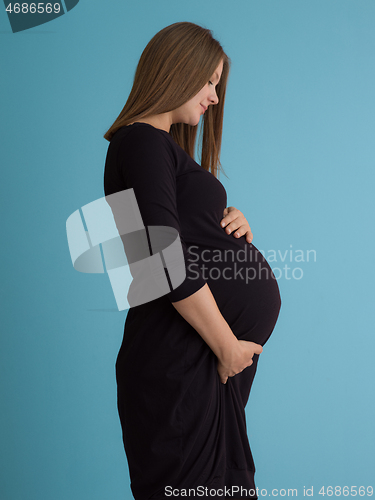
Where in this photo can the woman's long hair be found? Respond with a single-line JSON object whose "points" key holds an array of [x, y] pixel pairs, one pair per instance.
{"points": [[175, 65]]}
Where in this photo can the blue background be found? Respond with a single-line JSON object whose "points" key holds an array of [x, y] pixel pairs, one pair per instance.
{"points": [[298, 149]]}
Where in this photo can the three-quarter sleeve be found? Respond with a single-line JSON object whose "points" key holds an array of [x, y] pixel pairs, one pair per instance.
{"points": [[147, 164]]}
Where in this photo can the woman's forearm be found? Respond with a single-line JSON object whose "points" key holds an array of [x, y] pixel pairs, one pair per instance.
{"points": [[203, 314], [201, 311]]}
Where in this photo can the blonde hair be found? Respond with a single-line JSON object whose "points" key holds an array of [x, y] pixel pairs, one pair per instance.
{"points": [[175, 65]]}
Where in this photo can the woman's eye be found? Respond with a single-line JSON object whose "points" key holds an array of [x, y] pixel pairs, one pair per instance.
{"points": [[209, 81]]}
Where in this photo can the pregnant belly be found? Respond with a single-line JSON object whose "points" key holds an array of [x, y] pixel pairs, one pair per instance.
{"points": [[244, 288]]}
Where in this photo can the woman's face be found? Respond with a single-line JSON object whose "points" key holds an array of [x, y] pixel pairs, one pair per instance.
{"points": [[192, 110]]}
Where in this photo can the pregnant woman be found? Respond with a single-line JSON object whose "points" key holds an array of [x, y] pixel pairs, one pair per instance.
{"points": [[188, 359]]}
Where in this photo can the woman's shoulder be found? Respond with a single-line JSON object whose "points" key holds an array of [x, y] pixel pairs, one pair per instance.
{"points": [[142, 146], [144, 135]]}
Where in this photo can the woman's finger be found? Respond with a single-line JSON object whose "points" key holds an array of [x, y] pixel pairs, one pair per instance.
{"points": [[229, 215], [239, 230], [249, 237], [234, 225]]}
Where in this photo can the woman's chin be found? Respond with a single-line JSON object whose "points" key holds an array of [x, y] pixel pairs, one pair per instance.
{"points": [[198, 120], [193, 122]]}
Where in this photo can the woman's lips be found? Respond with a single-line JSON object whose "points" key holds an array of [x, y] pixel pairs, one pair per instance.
{"points": [[204, 108]]}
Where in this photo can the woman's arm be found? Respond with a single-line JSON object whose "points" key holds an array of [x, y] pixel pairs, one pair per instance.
{"points": [[202, 313]]}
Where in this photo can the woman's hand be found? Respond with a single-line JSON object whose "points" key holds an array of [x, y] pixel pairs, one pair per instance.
{"points": [[235, 221], [237, 359]]}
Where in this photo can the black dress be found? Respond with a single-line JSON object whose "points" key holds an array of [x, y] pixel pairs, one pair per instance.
{"points": [[182, 428]]}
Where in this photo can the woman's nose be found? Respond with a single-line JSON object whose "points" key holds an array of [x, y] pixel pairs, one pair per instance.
{"points": [[214, 98]]}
